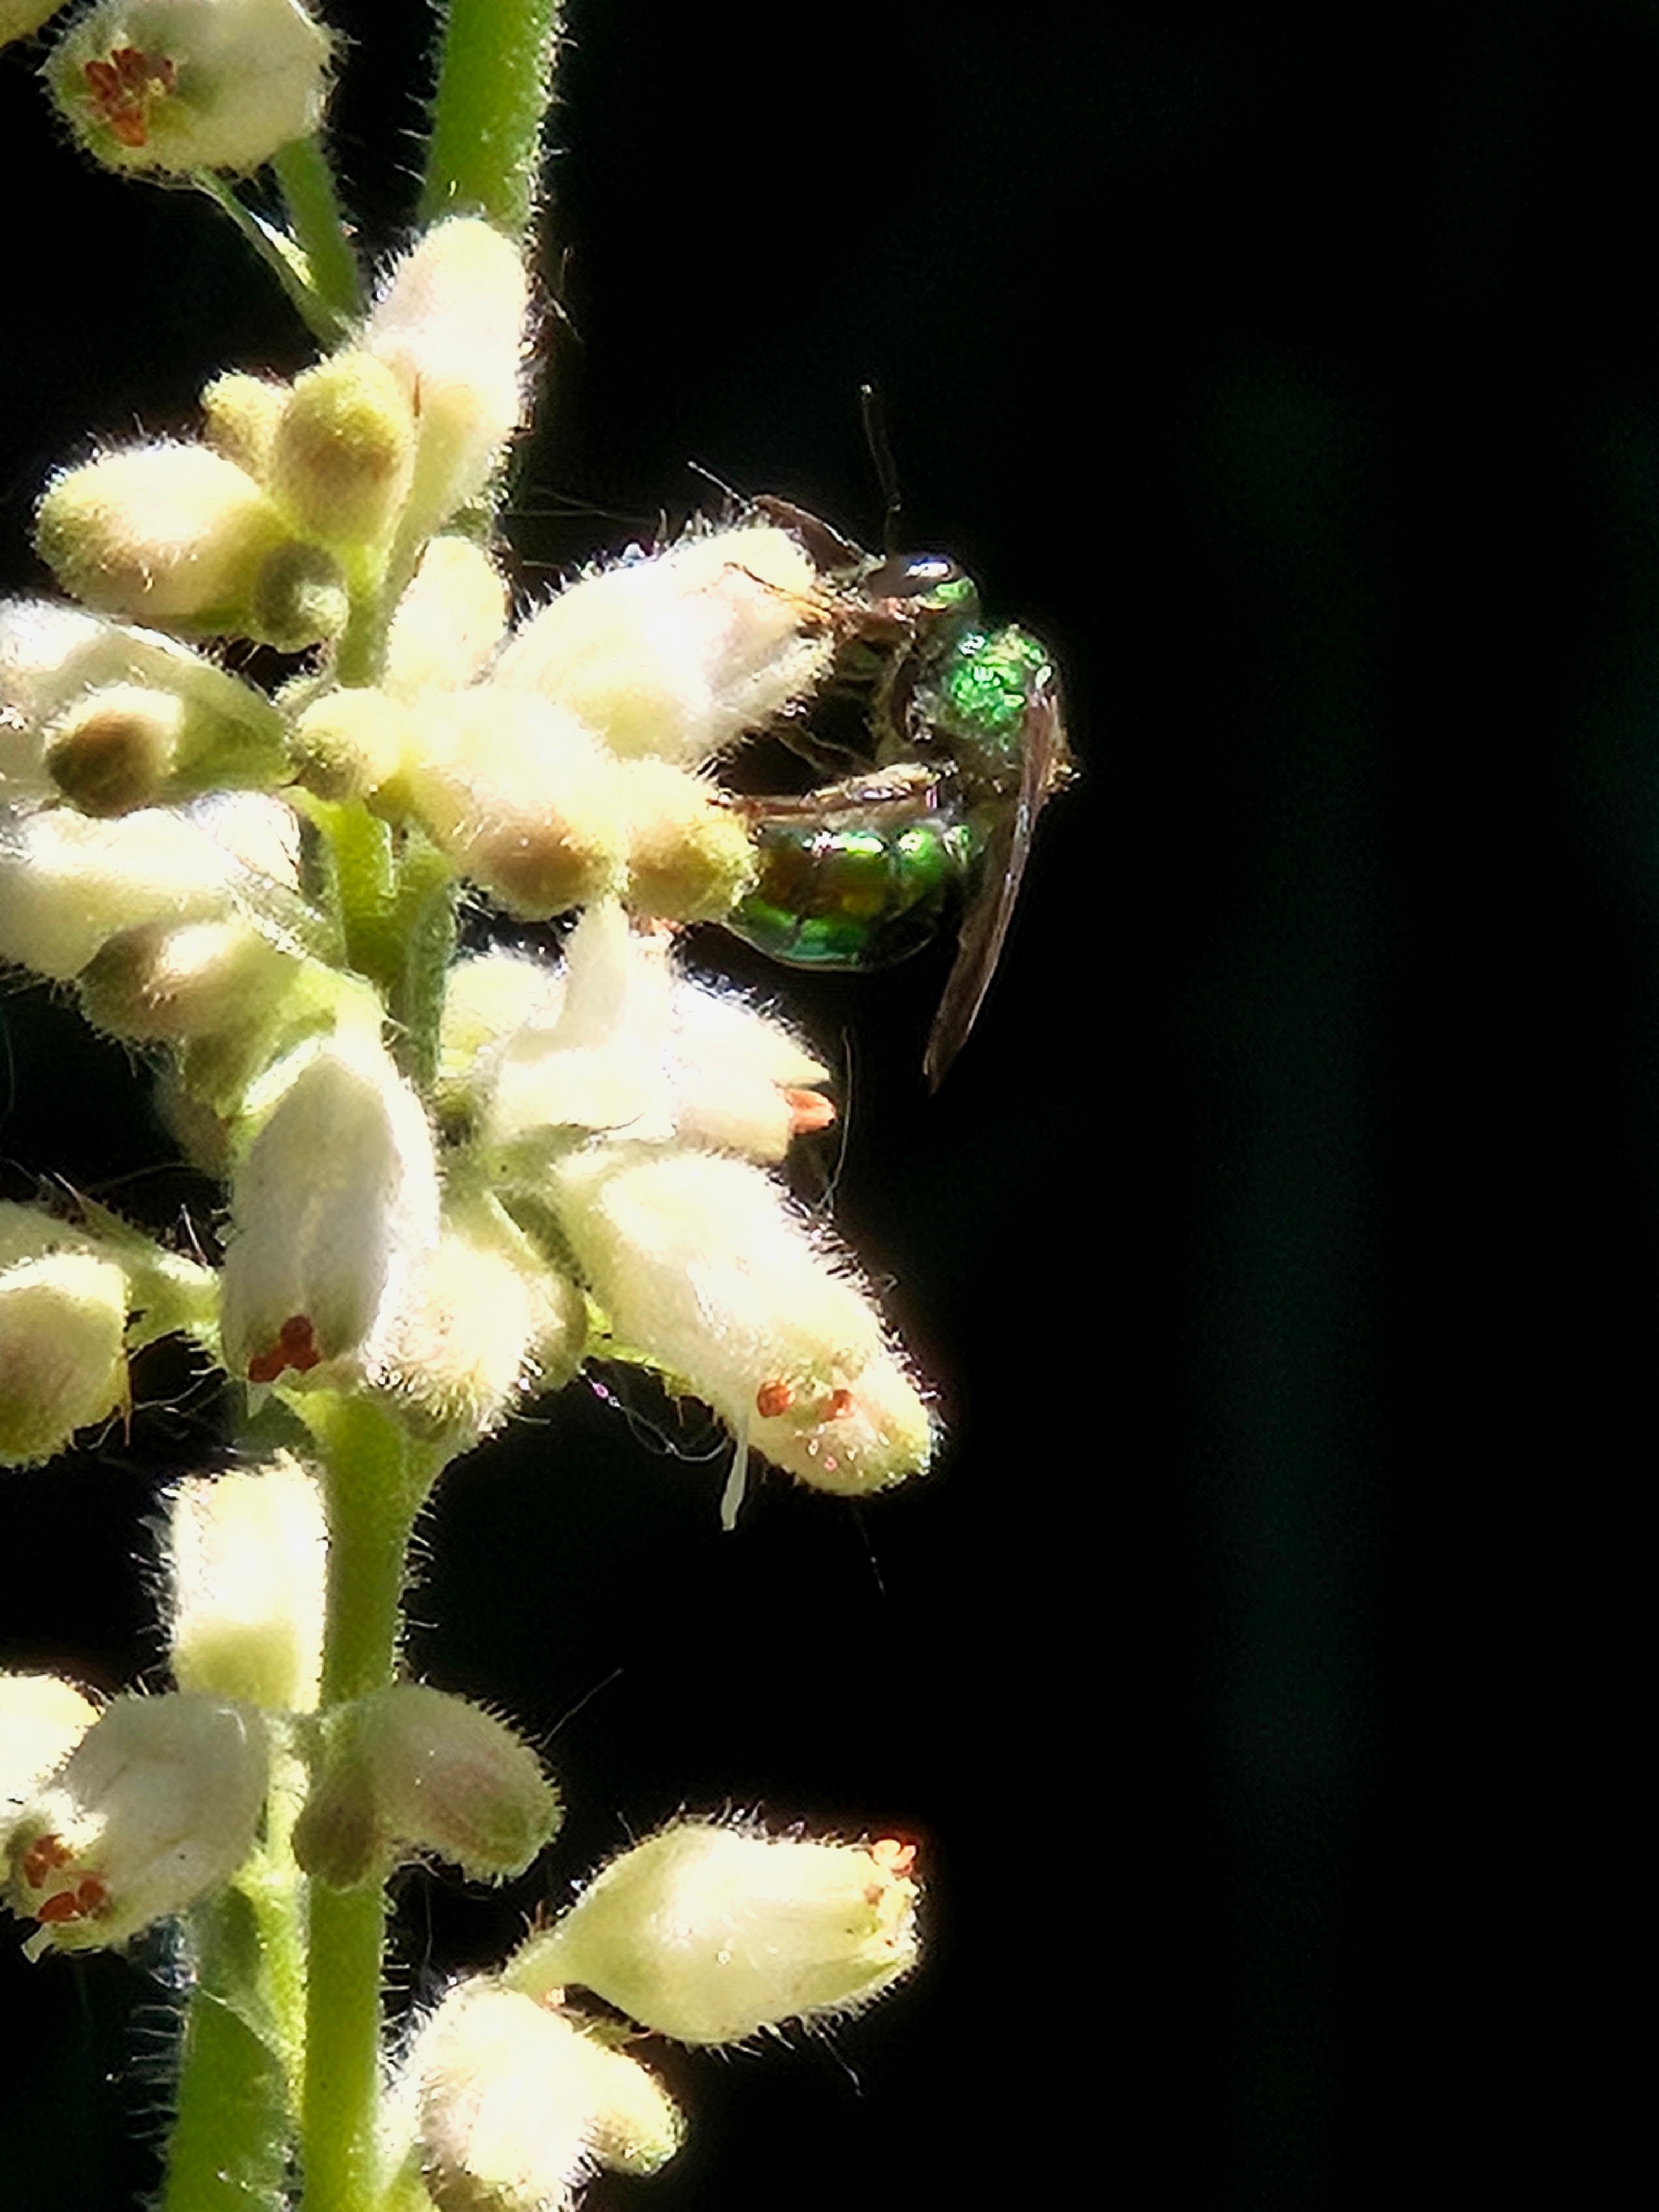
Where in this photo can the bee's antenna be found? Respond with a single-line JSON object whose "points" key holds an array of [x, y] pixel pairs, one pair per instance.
{"points": [[881, 453], [720, 483]]}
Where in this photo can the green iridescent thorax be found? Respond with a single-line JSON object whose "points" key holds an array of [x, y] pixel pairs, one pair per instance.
{"points": [[854, 887], [977, 699]]}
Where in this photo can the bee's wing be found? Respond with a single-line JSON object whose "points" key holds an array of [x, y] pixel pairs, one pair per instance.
{"points": [[1044, 764]]}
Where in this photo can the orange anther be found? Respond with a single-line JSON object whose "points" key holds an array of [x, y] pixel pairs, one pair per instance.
{"points": [[123, 88], [91, 1895], [809, 1111], [840, 1405], [895, 1857], [772, 1399], [45, 1854], [63, 1906]]}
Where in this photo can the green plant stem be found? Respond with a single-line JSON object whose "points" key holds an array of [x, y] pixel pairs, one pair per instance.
{"points": [[375, 1481], [319, 231], [280, 257], [495, 87]]}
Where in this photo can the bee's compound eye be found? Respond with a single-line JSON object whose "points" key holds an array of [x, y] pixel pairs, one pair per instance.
{"points": [[911, 576]]}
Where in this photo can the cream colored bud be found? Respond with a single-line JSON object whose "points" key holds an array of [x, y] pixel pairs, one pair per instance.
{"points": [[333, 1211], [410, 1767], [176, 85], [487, 996], [68, 884], [57, 663], [63, 1321], [164, 982], [700, 1267], [116, 747], [348, 743], [170, 531], [515, 2104], [487, 1323], [299, 598], [451, 324], [689, 857], [710, 1934], [42, 1718], [247, 1560], [158, 1803], [520, 796], [344, 454], [449, 621], [681, 653], [240, 414]]}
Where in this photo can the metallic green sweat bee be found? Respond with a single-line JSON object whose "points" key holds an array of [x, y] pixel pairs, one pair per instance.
{"points": [[949, 741]]}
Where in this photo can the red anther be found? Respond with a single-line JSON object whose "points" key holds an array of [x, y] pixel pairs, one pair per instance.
{"points": [[64, 1906], [295, 1347], [122, 86], [809, 1111], [840, 1405], [895, 1857], [772, 1399], [91, 1895], [43, 1857]]}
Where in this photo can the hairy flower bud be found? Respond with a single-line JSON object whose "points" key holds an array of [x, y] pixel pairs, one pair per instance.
{"points": [[708, 1934], [680, 653], [240, 414], [176, 85], [171, 532], [332, 1211], [248, 1557], [690, 858], [158, 1803], [515, 2105], [62, 1366], [486, 1324], [343, 453], [410, 1767], [68, 882], [450, 325], [449, 621], [70, 678], [163, 982], [42, 1718], [115, 749], [520, 796], [701, 1267], [349, 742]]}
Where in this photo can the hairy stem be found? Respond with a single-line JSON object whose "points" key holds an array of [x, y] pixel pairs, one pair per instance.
{"points": [[319, 231], [495, 87], [375, 1481]]}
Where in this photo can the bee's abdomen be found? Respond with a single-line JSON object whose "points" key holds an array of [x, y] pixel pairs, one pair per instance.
{"points": [[853, 895]]}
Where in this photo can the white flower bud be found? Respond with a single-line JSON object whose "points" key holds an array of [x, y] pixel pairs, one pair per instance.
{"points": [[520, 796], [247, 1560], [57, 664], [169, 531], [701, 1267], [343, 453], [259, 831], [486, 1323], [449, 621], [158, 1803], [176, 85], [487, 996], [710, 1935], [742, 1083], [63, 1366], [68, 882], [410, 1767], [515, 2105], [332, 1212], [42, 1718], [349, 742], [689, 857], [240, 414], [680, 653], [451, 324], [162, 983]]}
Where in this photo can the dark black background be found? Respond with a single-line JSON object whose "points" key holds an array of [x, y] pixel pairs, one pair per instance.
{"points": [[1257, 1670]]}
